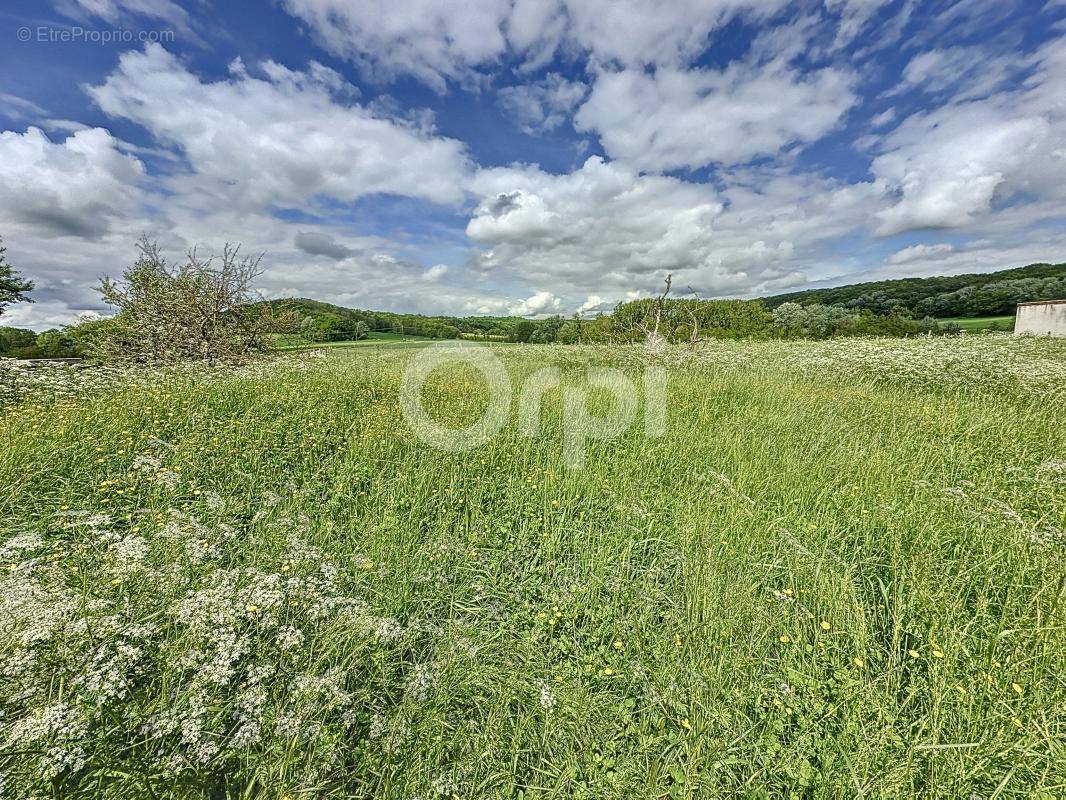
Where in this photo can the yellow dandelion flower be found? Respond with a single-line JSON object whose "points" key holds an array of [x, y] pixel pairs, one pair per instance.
{"points": [[608, 671], [686, 724], [825, 625], [251, 608], [784, 638], [617, 644], [859, 662]]}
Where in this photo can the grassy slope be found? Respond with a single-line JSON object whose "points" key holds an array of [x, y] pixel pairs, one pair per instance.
{"points": [[647, 627], [980, 323]]}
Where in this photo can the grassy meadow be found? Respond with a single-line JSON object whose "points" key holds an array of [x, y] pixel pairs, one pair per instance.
{"points": [[839, 573], [296, 342], [975, 324]]}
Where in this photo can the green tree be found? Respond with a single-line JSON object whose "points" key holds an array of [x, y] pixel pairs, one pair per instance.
{"points": [[523, 330], [14, 339], [791, 318], [569, 333], [13, 287]]}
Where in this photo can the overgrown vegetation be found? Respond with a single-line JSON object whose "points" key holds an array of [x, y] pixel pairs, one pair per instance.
{"points": [[255, 582], [204, 309]]}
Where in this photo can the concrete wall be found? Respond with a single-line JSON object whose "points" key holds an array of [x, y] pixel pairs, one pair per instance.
{"points": [[1041, 319]]}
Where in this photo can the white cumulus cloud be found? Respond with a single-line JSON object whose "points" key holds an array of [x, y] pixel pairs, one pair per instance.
{"points": [[920, 252], [75, 187], [282, 138], [691, 118], [440, 41]]}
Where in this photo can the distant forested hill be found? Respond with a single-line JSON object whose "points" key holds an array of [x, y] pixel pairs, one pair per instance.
{"points": [[972, 295], [325, 321]]}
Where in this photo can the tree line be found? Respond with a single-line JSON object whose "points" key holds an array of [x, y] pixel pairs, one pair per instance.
{"points": [[988, 294], [207, 309]]}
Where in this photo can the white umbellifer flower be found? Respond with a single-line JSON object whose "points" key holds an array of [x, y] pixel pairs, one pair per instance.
{"points": [[287, 725], [18, 664], [247, 734], [1047, 535], [146, 462], [34, 610], [59, 727], [386, 628], [129, 552], [20, 544], [86, 519], [547, 696], [377, 726], [443, 786], [290, 638], [168, 479], [419, 683], [108, 674]]}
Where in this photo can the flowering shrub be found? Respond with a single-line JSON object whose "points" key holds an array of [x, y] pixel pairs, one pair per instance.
{"points": [[148, 644]]}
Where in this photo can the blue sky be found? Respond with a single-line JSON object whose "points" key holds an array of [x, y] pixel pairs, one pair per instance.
{"points": [[518, 157]]}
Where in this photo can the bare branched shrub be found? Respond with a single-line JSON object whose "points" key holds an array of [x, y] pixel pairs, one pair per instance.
{"points": [[653, 339], [202, 310]]}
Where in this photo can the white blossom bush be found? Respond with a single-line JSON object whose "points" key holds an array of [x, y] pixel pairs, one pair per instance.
{"points": [[158, 650]]}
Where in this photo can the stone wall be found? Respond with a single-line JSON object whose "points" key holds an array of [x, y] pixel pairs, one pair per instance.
{"points": [[1041, 319]]}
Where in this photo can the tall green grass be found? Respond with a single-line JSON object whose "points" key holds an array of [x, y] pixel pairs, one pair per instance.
{"points": [[839, 573]]}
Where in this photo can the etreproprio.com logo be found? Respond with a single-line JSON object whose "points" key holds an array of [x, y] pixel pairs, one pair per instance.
{"points": [[76, 34]]}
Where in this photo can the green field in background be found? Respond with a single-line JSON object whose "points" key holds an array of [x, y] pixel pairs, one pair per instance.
{"points": [[980, 323]]}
